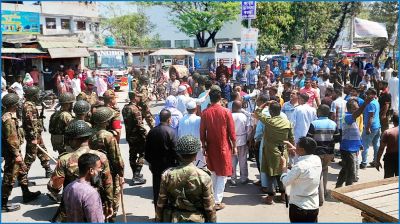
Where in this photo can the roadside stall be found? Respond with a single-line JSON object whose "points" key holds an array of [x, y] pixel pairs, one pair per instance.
{"points": [[377, 200]]}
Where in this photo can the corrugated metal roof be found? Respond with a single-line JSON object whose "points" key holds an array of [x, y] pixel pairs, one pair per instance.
{"points": [[59, 44], [68, 52], [21, 51]]}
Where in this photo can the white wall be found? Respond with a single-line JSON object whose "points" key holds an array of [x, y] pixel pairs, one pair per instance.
{"points": [[70, 9], [20, 7], [160, 16]]}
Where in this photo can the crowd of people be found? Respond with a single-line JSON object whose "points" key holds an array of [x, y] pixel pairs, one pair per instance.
{"points": [[288, 121]]}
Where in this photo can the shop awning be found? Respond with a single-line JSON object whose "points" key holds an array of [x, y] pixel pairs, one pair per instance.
{"points": [[11, 58], [21, 51], [172, 52], [68, 52], [60, 44]]}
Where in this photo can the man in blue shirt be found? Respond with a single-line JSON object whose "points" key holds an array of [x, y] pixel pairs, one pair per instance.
{"points": [[275, 69], [252, 77], [111, 80], [226, 88], [351, 143], [372, 125]]}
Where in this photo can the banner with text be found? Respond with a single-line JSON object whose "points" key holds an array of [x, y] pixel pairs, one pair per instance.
{"points": [[14, 22], [248, 45]]}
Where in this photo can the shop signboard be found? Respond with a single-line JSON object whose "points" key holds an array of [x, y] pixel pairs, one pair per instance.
{"points": [[15, 22]]}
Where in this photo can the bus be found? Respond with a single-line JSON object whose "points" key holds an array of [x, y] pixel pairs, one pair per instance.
{"points": [[228, 51], [105, 59]]}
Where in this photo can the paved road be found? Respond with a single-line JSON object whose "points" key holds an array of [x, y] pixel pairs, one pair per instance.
{"points": [[243, 201]]}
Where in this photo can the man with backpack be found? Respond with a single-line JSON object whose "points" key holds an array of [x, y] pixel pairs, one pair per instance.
{"points": [[59, 121]]}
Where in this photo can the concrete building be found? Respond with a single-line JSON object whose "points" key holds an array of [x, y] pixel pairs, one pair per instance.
{"points": [[171, 37]]}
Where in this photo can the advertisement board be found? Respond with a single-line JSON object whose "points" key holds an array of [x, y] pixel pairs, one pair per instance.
{"points": [[15, 22], [248, 9], [248, 45]]}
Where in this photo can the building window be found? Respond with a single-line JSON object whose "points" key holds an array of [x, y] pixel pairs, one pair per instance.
{"points": [[94, 27], [196, 43], [182, 43], [65, 24], [80, 25], [51, 23], [165, 43]]}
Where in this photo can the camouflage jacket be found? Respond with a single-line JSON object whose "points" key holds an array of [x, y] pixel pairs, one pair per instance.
{"points": [[147, 114], [61, 122], [187, 191], [145, 93], [133, 120], [67, 171], [90, 97], [31, 121], [105, 141], [11, 135]]}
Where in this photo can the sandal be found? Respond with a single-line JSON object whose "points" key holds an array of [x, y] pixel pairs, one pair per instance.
{"points": [[269, 200], [219, 206]]}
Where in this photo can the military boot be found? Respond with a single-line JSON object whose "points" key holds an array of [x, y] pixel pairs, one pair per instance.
{"points": [[48, 172], [138, 179], [27, 195], [9, 207]]}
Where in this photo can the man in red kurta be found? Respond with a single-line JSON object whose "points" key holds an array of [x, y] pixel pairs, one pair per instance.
{"points": [[218, 137]]}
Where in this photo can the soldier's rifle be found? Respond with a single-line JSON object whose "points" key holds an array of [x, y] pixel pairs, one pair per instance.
{"points": [[122, 201]]}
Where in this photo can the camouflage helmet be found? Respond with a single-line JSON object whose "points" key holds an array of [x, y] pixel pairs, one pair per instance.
{"points": [[32, 91], [81, 107], [102, 114], [90, 81], [78, 129], [109, 94], [188, 144], [9, 100], [144, 79], [66, 98]]}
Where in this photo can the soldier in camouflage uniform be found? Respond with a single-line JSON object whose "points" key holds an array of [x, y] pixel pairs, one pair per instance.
{"points": [[135, 136], [81, 110], [106, 141], [77, 134], [14, 167], [89, 94], [144, 102], [33, 126], [186, 191], [59, 121], [110, 101]]}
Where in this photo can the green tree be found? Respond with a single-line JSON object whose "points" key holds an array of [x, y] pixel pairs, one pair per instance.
{"points": [[129, 30], [384, 12], [202, 20], [273, 22], [314, 25], [347, 10]]}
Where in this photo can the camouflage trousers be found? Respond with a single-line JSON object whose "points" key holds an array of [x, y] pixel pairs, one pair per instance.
{"points": [[12, 171], [116, 196], [136, 156], [32, 151]]}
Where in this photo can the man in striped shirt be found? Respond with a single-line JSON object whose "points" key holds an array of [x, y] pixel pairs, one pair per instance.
{"points": [[325, 132]]}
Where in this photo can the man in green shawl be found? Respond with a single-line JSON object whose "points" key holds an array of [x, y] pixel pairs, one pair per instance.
{"points": [[277, 129]]}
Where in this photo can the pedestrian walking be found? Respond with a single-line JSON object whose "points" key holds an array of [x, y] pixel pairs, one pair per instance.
{"points": [[160, 150], [303, 179], [135, 136], [186, 193], [218, 138], [81, 199], [390, 142], [14, 167]]}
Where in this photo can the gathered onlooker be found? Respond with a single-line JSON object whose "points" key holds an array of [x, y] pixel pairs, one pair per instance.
{"points": [[302, 117], [304, 180], [242, 130], [76, 85], [311, 92], [390, 141], [171, 104], [385, 99], [372, 125], [393, 85], [288, 107], [278, 129], [324, 131], [350, 144], [338, 109]]}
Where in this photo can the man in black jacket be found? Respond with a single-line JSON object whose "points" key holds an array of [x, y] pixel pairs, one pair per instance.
{"points": [[160, 150]]}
